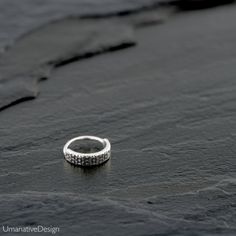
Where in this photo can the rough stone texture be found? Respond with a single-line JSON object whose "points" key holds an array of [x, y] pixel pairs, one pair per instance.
{"points": [[168, 107]]}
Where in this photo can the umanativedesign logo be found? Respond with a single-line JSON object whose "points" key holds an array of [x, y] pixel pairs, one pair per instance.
{"points": [[30, 229]]}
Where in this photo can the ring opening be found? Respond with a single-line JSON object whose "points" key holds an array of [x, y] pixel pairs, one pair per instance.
{"points": [[87, 145]]}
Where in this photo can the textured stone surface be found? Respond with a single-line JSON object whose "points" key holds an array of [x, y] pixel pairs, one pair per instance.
{"points": [[168, 106]]}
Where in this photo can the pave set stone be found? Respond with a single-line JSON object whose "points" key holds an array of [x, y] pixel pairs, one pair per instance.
{"points": [[83, 160]]}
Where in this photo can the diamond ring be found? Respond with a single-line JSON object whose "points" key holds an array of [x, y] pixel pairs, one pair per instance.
{"points": [[92, 151]]}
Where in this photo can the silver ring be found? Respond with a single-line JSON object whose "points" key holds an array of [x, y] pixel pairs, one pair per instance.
{"points": [[88, 159]]}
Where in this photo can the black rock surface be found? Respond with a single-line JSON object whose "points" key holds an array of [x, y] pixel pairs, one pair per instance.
{"points": [[167, 104]]}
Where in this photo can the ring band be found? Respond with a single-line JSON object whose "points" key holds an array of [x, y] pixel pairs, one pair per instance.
{"points": [[88, 159]]}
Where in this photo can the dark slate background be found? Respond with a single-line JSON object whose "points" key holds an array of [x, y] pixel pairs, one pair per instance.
{"points": [[156, 78]]}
